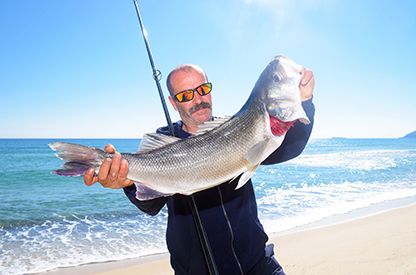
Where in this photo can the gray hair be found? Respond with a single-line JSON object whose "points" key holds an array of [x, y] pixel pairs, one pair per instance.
{"points": [[185, 68]]}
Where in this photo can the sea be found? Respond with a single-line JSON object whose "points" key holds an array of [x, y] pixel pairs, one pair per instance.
{"points": [[49, 222]]}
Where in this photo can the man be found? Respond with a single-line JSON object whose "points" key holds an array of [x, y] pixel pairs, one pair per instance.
{"points": [[229, 216]]}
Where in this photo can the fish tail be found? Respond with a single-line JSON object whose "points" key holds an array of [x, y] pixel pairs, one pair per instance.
{"points": [[78, 158]]}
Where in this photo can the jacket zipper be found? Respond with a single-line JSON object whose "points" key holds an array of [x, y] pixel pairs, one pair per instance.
{"points": [[231, 231]]}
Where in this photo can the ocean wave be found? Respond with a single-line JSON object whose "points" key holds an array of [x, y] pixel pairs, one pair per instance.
{"points": [[72, 241], [48, 222], [283, 209], [356, 160]]}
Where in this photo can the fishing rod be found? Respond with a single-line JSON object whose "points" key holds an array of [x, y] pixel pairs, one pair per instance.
{"points": [[203, 239], [157, 75]]}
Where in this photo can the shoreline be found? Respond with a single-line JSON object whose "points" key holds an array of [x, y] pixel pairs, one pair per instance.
{"points": [[352, 215], [157, 263], [383, 240]]}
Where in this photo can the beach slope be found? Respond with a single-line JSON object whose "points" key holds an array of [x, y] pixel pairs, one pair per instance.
{"points": [[380, 244], [383, 243]]}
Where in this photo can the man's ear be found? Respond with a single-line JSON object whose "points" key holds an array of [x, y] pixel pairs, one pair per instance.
{"points": [[173, 102]]}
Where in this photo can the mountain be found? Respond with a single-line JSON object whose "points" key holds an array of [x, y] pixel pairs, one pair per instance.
{"points": [[411, 135]]}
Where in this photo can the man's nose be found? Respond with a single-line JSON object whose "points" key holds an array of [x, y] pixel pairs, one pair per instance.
{"points": [[197, 98]]}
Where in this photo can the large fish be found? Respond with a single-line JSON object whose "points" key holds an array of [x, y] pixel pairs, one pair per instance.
{"points": [[221, 150]]}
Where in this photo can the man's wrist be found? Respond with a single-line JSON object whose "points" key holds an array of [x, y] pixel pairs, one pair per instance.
{"points": [[130, 187]]}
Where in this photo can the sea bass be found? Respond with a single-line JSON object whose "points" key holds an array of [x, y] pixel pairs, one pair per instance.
{"points": [[220, 151]]}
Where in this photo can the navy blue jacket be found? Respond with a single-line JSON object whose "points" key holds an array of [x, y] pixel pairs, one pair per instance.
{"points": [[229, 216]]}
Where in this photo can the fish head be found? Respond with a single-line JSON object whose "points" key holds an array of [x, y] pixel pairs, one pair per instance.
{"points": [[278, 89], [281, 95]]}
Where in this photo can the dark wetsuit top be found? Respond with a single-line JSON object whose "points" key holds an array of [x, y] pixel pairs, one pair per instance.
{"points": [[229, 216]]}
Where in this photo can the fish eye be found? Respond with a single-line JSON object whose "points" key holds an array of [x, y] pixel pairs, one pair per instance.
{"points": [[276, 78]]}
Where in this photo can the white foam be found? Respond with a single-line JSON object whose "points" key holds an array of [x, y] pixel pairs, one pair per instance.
{"points": [[360, 160], [296, 207], [76, 241]]}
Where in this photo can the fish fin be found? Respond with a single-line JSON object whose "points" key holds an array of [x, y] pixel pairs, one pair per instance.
{"points": [[246, 176], [234, 178], [153, 141], [212, 124], [144, 193], [255, 154], [78, 158], [72, 169]]}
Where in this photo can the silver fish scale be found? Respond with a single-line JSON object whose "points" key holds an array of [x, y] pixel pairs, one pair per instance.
{"points": [[170, 170], [203, 161]]}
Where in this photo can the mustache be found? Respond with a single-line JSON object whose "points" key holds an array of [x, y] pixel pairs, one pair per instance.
{"points": [[200, 106]]}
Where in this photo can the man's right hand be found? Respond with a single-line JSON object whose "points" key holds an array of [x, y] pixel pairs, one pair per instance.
{"points": [[112, 173]]}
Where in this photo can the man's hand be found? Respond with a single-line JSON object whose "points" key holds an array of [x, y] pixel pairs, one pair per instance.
{"points": [[307, 83], [112, 173]]}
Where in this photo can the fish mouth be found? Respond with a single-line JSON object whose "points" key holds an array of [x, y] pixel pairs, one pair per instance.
{"points": [[280, 127]]}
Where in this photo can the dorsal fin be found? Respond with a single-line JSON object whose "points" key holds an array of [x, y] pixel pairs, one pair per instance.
{"points": [[152, 141], [209, 125]]}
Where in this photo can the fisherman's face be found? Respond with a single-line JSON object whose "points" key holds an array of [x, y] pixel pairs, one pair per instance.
{"points": [[199, 109]]}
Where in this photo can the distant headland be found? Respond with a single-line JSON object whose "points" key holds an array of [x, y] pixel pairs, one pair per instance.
{"points": [[410, 135]]}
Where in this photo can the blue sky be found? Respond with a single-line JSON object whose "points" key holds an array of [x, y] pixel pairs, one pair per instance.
{"points": [[79, 68]]}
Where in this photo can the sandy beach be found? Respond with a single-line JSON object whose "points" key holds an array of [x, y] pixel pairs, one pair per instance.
{"points": [[384, 243], [379, 244]]}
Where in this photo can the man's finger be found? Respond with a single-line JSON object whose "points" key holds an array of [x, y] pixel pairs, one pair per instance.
{"points": [[124, 169], [104, 169], [307, 84], [115, 167], [127, 182], [307, 75], [89, 177], [109, 148]]}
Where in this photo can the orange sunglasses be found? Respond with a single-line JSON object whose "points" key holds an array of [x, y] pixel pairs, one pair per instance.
{"points": [[188, 95]]}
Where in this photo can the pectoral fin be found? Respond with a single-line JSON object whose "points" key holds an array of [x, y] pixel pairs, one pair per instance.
{"points": [[144, 193], [256, 153], [245, 177], [254, 156]]}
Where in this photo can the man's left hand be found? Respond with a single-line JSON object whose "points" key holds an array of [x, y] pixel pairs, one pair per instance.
{"points": [[307, 83]]}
